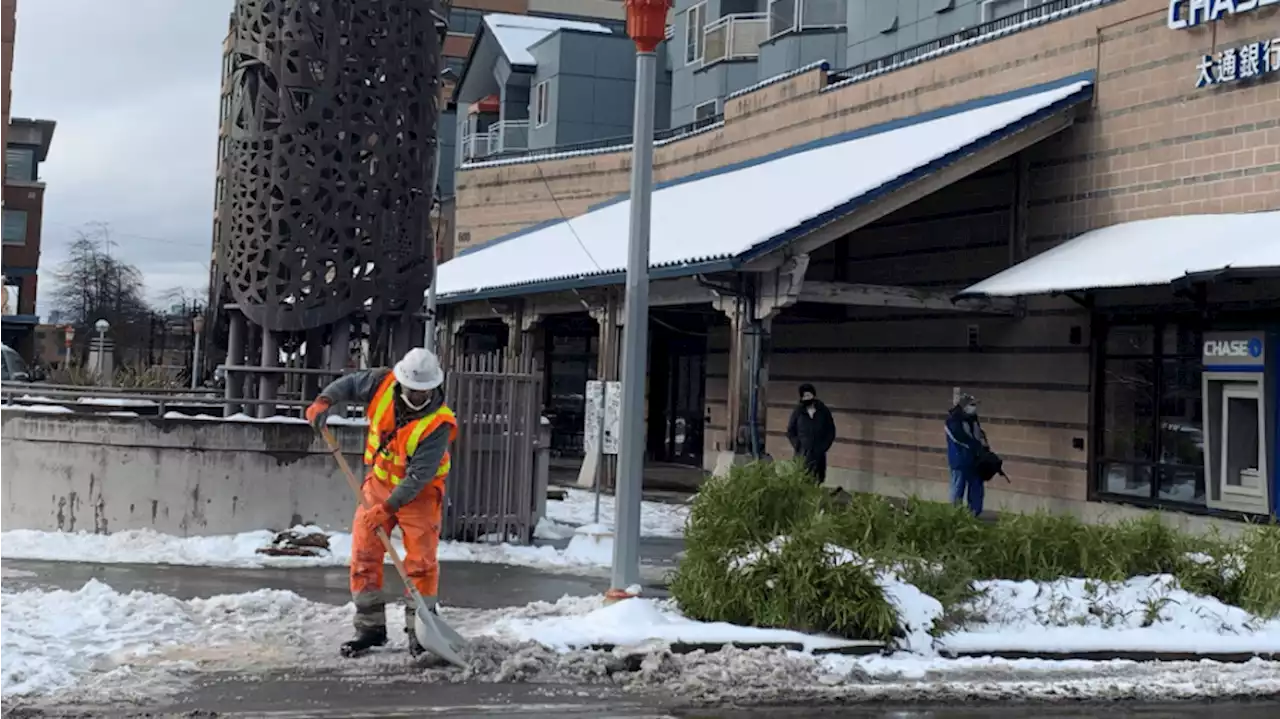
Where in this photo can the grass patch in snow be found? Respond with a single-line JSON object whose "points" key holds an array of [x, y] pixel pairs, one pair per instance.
{"points": [[764, 548]]}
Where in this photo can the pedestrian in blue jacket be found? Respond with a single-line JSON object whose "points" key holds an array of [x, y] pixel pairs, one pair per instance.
{"points": [[966, 442]]}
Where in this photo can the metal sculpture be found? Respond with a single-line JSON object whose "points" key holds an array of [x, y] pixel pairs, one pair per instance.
{"points": [[333, 113]]}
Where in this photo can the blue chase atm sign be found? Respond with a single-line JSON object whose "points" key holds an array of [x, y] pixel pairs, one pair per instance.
{"points": [[1242, 63]]}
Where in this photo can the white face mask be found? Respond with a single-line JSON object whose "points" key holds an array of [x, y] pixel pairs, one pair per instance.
{"points": [[971, 410], [404, 395]]}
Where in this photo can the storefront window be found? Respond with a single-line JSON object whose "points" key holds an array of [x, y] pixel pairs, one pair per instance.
{"points": [[1151, 419]]}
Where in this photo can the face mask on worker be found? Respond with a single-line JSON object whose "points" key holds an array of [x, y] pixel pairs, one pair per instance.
{"points": [[971, 409], [415, 399]]}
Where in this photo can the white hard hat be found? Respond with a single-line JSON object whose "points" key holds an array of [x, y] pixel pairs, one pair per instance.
{"points": [[419, 370]]}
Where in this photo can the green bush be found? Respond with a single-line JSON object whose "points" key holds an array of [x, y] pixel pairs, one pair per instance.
{"points": [[734, 570], [940, 548]]}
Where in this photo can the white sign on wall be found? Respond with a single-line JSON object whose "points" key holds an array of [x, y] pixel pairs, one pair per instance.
{"points": [[603, 417], [1185, 14]]}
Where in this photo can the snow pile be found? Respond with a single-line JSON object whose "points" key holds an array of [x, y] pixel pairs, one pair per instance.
{"points": [[551, 529], [95, 638], [582, 622], [144, 546], [657, 519], [96, 644], [1078, 615], [591, 544]]}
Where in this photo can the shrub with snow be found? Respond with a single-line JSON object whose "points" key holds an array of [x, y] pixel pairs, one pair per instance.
{"points": [[767, 547]]}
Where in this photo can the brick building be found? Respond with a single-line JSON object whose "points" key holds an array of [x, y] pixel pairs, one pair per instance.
{"points": [[1016, 210], [26, 145]]}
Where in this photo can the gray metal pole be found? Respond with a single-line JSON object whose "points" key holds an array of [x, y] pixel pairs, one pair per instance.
{"points": [[635, 336], [429, 331]]}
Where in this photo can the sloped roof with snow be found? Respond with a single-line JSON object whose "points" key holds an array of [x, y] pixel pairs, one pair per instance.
{"points": [[714, 220], [1145, 252], [515, 34]]}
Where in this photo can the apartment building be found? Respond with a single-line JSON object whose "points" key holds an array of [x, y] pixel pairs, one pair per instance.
{"points": [[466, 133], [1065, 208], [26, 147]]}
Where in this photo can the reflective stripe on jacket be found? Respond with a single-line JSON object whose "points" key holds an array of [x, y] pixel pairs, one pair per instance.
{"points": [[387, 449]]}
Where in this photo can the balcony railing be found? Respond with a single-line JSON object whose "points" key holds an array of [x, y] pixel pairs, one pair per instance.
{"points": [[501, 137], [791, 15], [734, 37]]}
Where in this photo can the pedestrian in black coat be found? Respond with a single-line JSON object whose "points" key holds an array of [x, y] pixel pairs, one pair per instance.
{"points": [[811, 431]]}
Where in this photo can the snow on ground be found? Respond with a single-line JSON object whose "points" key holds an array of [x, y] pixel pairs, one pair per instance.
{"points": [[657, 519], [97, 645], [96, 640], [143, 546], [1142, 614]]}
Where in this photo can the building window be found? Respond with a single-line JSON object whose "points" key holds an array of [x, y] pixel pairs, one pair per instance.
{"points": [[15, 227], [20, 164], [1152, 441], [705, 114], [694, 18], [541, 104], [465, 21], [997, 9], [782, 16], [224, 107]]}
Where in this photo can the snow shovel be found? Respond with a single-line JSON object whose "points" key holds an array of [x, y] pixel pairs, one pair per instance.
{"points": [[433, 633]]}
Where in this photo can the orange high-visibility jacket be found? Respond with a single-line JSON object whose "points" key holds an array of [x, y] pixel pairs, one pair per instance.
{"points": [[390, 459]]}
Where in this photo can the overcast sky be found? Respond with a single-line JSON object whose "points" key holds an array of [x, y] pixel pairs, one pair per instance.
{"points": [[133, 86]]}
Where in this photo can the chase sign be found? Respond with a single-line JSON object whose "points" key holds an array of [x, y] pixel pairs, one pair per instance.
{"points": [[1185, 14], [1233, 349]]}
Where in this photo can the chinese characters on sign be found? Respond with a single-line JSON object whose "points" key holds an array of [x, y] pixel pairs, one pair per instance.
{"points": [[1240, 64]]}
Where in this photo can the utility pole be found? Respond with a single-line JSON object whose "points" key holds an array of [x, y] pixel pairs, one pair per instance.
{"points": [[646, 24]]}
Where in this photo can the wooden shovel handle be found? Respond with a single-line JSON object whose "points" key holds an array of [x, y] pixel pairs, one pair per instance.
{"points": [[354, 483]]}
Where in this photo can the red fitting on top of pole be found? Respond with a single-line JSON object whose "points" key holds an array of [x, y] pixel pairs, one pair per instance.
{"points": [[647, 23]]}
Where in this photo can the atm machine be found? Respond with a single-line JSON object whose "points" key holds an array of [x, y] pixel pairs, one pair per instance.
{"points": [[1240, 395]]}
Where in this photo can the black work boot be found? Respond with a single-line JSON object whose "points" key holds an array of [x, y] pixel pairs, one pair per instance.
{"points": [[365, 640], [416, 649]]}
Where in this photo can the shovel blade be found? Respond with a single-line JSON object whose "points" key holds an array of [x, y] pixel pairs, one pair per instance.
{"points": [[438, 637]]}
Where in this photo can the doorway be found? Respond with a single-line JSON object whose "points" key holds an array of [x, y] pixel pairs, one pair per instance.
{"points": [[677, 386]]}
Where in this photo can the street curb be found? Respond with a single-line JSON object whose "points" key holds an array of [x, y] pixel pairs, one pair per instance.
{"points": [[853, 649], [1107, 655]]}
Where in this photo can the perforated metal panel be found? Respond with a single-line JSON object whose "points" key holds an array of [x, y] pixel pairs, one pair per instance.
{"points": [[331, 160]]}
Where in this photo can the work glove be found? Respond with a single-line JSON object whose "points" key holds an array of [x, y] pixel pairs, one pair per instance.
{"points": [[377, 516], [318, 412]]}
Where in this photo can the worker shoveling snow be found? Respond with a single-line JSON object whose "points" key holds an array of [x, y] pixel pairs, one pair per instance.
{"points": [[98, 645]]}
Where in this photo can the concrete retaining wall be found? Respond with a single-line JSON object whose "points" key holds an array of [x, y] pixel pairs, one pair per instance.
{"points": [[182, 477]]}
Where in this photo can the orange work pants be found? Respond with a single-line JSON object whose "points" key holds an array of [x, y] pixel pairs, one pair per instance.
{"points": [[419, 522]]}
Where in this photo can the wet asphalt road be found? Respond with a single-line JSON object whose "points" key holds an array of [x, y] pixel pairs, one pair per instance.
{"points": [[325, 697], [464, 584]]}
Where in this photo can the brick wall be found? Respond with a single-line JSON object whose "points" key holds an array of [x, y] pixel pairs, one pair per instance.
{"points": [[1152, 144], [8, 29], [888, 375]]}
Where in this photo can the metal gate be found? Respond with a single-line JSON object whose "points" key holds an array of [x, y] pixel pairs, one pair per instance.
{"points": [[497, 399]]}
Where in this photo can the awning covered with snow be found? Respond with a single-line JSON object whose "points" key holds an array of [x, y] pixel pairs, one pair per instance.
{"points": [[720, 219], [1142, 253]]}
